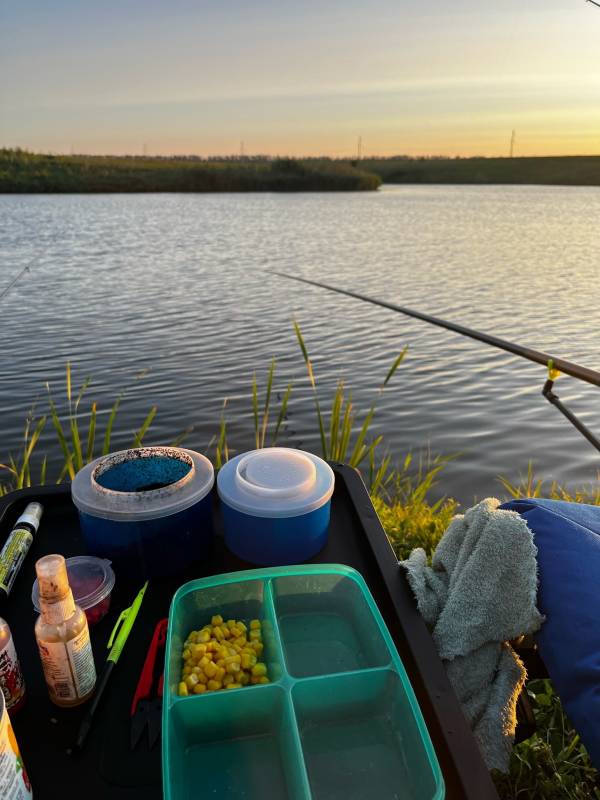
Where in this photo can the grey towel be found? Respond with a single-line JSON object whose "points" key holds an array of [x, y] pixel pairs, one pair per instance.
{"points": [[479, 594]]}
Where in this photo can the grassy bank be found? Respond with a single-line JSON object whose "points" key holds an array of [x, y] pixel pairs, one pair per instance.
{"points": [[563, 170], [23, 172], [550, 765]]}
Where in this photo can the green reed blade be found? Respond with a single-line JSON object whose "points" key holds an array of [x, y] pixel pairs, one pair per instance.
{"points": [[25, 474], [84, 386], [69, 383], [265, 421], [43, 471], [347, 424], [91, 439], [255, 409], [282, 412], [139, 436], [334, 423], [394, 367], [305, 355], [62, 439], [109, 426], [354, 458], [77, 454]]}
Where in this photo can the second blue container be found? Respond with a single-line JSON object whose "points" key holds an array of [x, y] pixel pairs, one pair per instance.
{"points": [[276, 503]]}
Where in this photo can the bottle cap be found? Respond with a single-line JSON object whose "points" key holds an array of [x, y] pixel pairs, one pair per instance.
{"points": [[52, 578], [32, 516]]}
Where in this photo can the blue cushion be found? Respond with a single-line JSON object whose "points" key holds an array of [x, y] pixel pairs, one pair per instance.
{"points": [[567, 536]]}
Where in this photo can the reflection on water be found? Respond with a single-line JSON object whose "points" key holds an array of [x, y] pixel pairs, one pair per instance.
{"points": [[176, 285]]}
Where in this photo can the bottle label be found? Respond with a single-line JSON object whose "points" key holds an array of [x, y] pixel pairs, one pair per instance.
{"points": [[12, 555], [69, 666], [14, 781], [11, 677], [58, 612]]}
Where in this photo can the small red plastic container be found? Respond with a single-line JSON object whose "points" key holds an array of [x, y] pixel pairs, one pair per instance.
{"points": [[92, 580]]}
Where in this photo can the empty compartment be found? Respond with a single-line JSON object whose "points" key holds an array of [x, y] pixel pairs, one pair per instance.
{"points": [[195, 604], [360, 739], [326, 625], [238, 744]]}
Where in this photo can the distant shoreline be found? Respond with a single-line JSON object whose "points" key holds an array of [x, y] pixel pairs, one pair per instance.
{"points": [[539, 170], [23, 172]]}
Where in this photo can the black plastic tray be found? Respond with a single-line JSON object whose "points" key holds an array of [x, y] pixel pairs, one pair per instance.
{"points": [[108, 768]]}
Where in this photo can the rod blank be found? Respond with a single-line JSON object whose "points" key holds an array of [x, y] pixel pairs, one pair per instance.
{"points": [[561, 364]]}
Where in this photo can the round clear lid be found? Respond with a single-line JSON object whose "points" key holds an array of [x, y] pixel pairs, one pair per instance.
{"points": [[275, 482], [142, 483]]}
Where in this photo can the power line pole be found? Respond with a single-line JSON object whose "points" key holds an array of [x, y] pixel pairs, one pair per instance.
{"points": [[512, 145]]}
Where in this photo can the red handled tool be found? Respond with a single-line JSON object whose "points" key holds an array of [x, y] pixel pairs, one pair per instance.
{"points": [[146, 712]]}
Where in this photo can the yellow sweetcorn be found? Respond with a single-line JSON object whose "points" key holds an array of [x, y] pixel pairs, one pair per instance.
{"points": [[210, 670], [223, 655]]}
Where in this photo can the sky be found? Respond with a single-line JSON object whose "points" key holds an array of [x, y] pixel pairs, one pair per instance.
{"points": [[301, 78]]}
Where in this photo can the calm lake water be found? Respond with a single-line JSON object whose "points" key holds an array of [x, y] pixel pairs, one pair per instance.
{"points": [[176, 286]]}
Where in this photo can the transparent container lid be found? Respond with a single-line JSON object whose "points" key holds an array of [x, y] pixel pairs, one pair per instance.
{"points": [[142, 483], [276, 482], [91, 580]]}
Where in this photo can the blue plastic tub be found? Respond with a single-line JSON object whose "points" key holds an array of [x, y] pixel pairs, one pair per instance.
{"points": [[276, 503], [148, 510]]}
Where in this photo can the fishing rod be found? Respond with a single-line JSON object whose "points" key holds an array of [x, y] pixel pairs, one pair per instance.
{"points": [[7, 289], [554, 365]]}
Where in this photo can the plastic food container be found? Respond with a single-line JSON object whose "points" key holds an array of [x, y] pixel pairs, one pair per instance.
{"points": [[339, 718], [276, 503], [148, 509], [91, 580]]}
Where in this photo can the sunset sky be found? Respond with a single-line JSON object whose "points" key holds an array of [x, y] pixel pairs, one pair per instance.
{"points": [[301, 78]]}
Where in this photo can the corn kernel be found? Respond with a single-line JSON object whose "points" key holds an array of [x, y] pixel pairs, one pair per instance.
{"points": [[204, 637], [210, 670], [241, 626], [243, 678], [233, 659], [233, 667], [264, 679], [186, 654], [199, 688], [240, 641], [213, 686], [258, 647], [182, 690], [254, 624], [234, 686], [247, 661], [220, 673], [191, 680], [216, 620], [259, 669], [230, 623], [218, 633], [186, 671], [254, 679], [255, 636], [227, 679]]}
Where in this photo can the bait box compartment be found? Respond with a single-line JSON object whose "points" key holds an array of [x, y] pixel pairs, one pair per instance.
{"points": [[339, 719]]}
